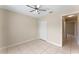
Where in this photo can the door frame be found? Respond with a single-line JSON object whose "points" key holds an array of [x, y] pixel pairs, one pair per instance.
{"points": [[63, 30]]}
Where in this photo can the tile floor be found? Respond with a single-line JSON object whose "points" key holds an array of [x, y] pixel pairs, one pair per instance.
{"points": [[42, 47]]}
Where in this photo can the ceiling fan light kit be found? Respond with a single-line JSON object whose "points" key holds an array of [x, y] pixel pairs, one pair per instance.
{"points": [[36, 8]]}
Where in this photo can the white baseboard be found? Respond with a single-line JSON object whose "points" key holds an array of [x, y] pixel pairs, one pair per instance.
{"points": [[53, 43], [15, 44]]}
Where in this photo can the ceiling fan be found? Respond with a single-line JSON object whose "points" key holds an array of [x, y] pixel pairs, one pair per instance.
{"points": [[36, 8]]}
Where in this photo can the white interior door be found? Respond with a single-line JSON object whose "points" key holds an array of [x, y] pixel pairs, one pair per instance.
{"points": [[43, 30]]}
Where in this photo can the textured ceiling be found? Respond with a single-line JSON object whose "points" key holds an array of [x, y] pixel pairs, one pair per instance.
{"points": [[25, 10]]}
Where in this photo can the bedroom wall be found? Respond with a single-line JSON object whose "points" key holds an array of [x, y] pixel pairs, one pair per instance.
{"points": [[54, 33], [16, 28], [54, 24]]}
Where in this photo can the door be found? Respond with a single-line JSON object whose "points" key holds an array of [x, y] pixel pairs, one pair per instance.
{"points": [[43, 30]]}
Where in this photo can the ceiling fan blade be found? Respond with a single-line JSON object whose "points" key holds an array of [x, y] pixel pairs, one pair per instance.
{"points": [[30, 6], [40, 6], [32, 10]]}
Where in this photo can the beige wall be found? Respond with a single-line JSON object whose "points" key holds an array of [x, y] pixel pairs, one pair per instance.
{"points": [[77, 30], [54, 28], [16, 28], [70, 28], [2, 30], [70, 25]]}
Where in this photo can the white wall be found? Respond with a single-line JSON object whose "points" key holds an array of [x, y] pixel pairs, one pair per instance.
{"points": [[16, 28]]}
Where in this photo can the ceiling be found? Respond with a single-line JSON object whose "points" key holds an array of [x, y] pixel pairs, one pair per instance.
{"points": [[25, 10]]}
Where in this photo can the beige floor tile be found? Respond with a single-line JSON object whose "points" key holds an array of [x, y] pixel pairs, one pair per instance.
{"points": [[42, 47], [14, 50], [3, 51]]}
